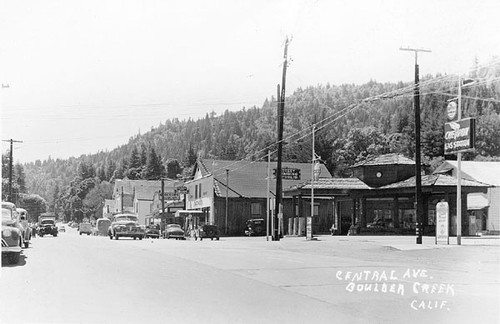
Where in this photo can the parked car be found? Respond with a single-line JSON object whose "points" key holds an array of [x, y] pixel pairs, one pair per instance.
{"points": [[255, 227], [85, 228], [12, 239], [125, 225], [61, 228], [174, 231], [102, 226], [152, 231], [207, 231]]}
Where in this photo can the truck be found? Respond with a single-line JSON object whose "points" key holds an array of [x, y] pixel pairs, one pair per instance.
{"points": [[47, 225]]}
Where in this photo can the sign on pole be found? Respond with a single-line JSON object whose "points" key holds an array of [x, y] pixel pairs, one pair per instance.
{"points": [[288, 173], [442, 223], [459, 136]]}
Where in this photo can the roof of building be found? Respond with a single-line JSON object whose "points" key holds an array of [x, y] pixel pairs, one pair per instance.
{"points": [[386, 159], [249, 178], [483, 171], [334, 183], [434, 180]]}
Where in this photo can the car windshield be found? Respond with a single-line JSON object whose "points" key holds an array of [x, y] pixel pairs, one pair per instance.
{"points": [[173, 226], [47, 222], [126, 218], [6, 215]]}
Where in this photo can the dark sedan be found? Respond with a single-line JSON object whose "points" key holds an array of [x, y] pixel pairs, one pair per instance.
{"points": [[152, 231]]}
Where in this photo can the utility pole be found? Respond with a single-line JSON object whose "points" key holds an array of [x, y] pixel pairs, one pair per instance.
{"points": [[227, 198], [418, 171], [281, 111], [162, 215], [267, 195], [11, 162]]}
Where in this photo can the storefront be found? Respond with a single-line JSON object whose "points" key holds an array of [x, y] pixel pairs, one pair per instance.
{"points": [[390, 208]]}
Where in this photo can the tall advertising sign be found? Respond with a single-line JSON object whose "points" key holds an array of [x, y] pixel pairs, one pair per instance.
{"points": [[442, 223], [459, 136]]}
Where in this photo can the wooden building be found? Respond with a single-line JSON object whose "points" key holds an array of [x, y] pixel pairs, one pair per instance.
{"points": [[381, 197], [232, 192]]}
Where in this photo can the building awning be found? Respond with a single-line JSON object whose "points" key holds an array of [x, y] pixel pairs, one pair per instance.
{"points": [[186, 213], [475, 202]]}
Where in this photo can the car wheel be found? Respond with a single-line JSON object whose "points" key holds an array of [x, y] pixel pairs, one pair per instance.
{"points": [[88, 234], [140, 238], [80, 233], [26, 244], [116, 236], [14, 257], [135, 237], [217, 238], [55, 235]]}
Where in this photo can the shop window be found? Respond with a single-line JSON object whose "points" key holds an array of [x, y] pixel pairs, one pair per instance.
{"points": [[255, 209], [408, 218], [431, 217]]}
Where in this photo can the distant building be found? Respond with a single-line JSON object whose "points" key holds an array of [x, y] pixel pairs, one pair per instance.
{"points": [[483, 207], [109, 208], [135, 196]]}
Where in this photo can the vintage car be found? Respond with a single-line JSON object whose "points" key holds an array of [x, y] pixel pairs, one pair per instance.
{"points": [[12, 239], [174, 231], [102, 226], [207, 231], [85, 228], [152, 231], [47, 225], [22, 215], [255, 227], [125, 225]]}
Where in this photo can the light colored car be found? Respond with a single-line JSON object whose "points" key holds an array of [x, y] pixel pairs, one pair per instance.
{"points": [[85, 228], [174, 231], [125, 225], [61, 228], [12, 235]]}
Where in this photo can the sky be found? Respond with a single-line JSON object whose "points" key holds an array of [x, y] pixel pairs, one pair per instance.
{"points": [[79, 77]]}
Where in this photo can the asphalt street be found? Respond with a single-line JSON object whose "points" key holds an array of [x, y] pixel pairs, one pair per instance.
{"points": [[90, 279]]}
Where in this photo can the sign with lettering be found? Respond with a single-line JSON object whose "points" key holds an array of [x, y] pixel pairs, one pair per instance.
{"points": [[289, 173], [459, 136], [442, 219], [171, 195], [309, 232], [182, 190]]}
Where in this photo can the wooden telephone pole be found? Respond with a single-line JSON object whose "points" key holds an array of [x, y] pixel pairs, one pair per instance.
{"points": [[11, 157], [418, 165], [278, 210]]}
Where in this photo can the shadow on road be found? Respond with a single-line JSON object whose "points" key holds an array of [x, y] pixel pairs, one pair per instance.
{"points": [[6, 264]]}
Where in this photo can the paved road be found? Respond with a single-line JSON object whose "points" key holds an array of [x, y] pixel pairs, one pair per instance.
{"points": [[87, 279]]}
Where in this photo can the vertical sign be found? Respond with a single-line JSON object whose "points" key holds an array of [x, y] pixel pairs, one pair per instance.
{"points": [[309, 231], [442, 221]]}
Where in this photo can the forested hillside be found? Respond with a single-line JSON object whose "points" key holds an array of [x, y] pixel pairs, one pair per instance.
{"points": [[352, 122]]}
